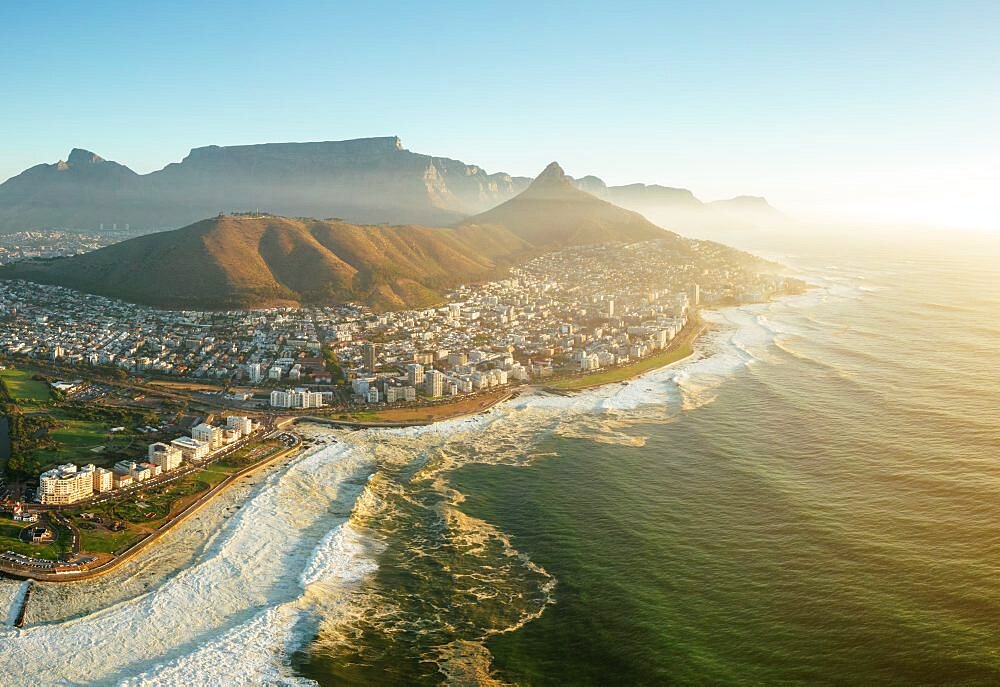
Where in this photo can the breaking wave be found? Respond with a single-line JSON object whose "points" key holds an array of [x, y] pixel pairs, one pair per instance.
{"points": [[362, 538]]}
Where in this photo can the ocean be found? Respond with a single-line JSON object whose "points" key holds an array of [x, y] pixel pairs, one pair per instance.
{"points": [[810, 499]]}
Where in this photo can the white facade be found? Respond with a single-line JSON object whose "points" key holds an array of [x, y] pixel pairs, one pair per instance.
{"points": [[103, 480], [210, 434], [191, 449], [166, 456], [240, 423], [66, 484], [296, 398]]}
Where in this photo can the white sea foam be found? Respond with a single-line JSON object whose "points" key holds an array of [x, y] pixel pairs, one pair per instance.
{"points": [[231, 616], [341, 555], [207, 614], [11, 597]]}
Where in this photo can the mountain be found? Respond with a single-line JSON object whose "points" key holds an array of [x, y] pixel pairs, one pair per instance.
{"points": [[365, 181], [66, 193], [641, 195], [749, 208], [238, 262], [680, 209], [553, 213], [370, 180]]}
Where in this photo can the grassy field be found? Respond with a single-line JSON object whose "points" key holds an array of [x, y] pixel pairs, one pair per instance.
{"points": [[682, 348], [25, 390], [428, 413], [144, 512], [10, 533], [74, 439]]}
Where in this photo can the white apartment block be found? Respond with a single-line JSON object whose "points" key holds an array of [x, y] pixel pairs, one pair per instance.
{"points": [[166, 456], [140, 472], [66, 484], [296, 398], [192, 450], [210, 434], [241, 424], [103, 480]]}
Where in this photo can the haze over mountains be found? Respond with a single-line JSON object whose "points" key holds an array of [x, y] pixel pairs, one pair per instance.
{"points": [[238, 261], [367, 181]]}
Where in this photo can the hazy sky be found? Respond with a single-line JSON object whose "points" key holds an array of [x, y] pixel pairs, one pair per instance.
{"points": [[874, 110]]}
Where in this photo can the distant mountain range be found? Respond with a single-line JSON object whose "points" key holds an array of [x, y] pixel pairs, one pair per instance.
{"points": [[367, 181], [238, 261]]}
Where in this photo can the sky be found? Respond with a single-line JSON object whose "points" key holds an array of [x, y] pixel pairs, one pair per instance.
{"points": [[877, 111]]}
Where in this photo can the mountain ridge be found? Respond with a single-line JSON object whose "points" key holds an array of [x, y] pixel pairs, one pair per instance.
{"points": [[366, 181], [254, 261]]}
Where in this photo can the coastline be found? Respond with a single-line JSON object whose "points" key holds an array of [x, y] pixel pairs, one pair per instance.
{"points": [[191, 509], [681, 348], [47, 598], [683, 344]]}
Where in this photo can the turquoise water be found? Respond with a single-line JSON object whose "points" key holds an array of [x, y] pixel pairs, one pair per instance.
{"points": [[815, 503]]}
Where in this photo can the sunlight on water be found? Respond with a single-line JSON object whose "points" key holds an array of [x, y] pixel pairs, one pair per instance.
{"points": [[864, 410]]}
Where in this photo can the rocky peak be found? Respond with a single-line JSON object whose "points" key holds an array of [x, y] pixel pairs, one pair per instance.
{"points": [[551, 173], [552, 182], [80, 157]]}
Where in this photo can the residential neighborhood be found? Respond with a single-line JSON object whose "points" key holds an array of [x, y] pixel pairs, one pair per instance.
{"points": [[572, 311]]}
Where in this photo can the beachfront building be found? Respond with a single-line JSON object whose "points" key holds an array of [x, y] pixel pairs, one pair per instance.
{"points": [[104, 480], [66, 484], [140, 472], [241, 424], [434, 383], [122, 480], [398, 392], [415, 374], [192, 450], [166, 456], [296, 398], [210, 434]]}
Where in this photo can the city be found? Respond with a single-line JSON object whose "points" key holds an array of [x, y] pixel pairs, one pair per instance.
{"points": [[141, 384]]}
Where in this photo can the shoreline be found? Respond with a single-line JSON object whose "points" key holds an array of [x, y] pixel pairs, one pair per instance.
{"points": [[624, 375], [188, 511], [689, 340]]}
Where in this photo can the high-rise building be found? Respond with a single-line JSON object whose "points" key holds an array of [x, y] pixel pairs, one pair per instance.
{"points": [[369, 351], [103, 480], [166, 456], [242, 424], [209, 434], [434, 383], [256, 372], [66, 484], [415, 374], [695, 294]]}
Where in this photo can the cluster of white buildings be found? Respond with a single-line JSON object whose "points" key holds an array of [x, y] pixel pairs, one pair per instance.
{"points": [[299, 397], [69, 483]]}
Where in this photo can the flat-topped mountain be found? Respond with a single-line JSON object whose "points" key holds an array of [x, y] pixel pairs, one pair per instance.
{"points": [[370, 180], [366, 181], [553, 212]]}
